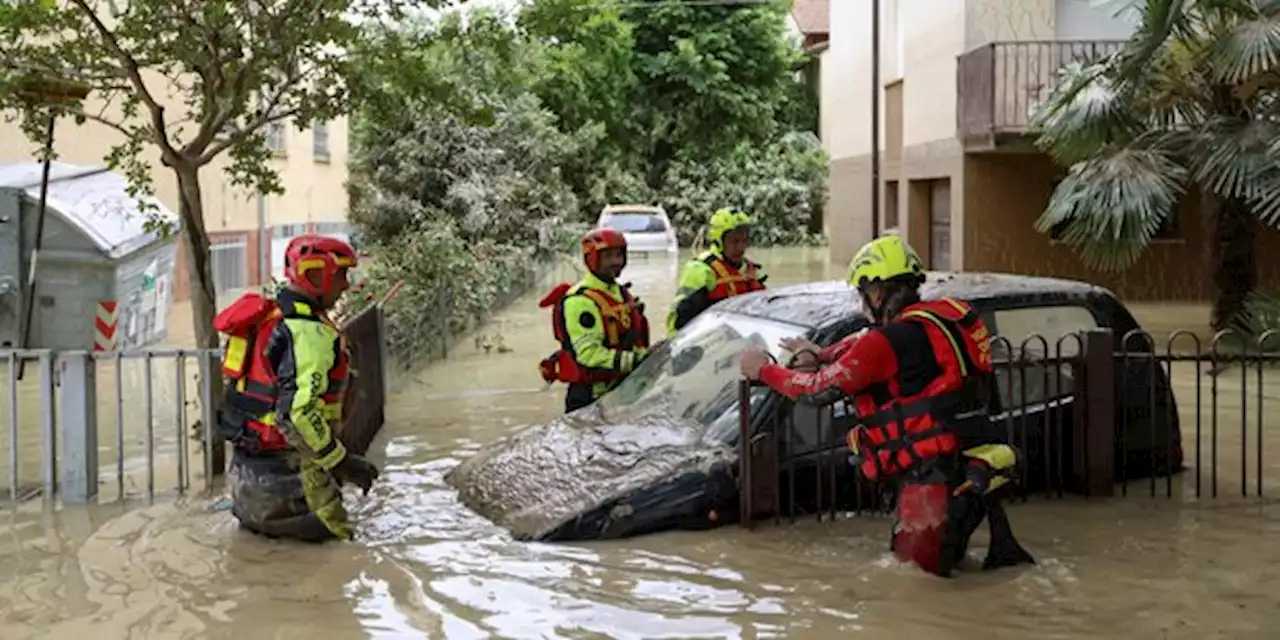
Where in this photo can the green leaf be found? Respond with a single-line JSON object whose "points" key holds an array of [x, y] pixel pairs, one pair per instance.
{"points": [[1109, 207]]}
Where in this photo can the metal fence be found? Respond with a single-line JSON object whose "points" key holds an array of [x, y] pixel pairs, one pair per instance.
{"points": [[1091, 414], [125, 424]]}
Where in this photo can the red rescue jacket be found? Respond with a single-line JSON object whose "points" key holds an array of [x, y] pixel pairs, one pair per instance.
{"points": [[625, 327], [901, 428]]}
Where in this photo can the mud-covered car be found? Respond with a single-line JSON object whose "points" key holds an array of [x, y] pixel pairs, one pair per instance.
{"points": [[660, 451]]}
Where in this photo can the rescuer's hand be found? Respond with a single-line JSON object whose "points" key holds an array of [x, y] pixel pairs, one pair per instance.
{"points": [[356, 470], [752, 361], [798, 344]]}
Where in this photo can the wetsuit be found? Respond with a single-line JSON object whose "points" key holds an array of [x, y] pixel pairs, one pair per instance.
{"points": [[920, 388]]}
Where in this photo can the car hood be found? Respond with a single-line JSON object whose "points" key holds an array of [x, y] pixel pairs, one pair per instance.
{"points": [[544, 476]]}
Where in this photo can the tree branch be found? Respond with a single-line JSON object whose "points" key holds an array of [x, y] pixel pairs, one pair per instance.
{"points": [[135, 77]]}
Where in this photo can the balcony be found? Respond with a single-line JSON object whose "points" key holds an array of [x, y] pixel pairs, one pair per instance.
{"points": [[998, 85]]}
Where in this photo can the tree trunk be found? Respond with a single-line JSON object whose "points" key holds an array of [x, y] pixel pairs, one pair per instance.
{"points": [[204, 302], [1234, 260]]}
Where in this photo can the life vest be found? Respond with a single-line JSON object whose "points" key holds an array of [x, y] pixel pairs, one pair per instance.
{"points": [[902, 427], [251, 379], [625, 328], [730, 281]]}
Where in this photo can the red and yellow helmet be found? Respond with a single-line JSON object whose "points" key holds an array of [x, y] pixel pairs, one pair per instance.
{"points": [[598, 240], [309, 252]]}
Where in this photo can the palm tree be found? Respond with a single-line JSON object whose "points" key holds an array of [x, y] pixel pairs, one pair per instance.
{"points": [[1189, 104]]}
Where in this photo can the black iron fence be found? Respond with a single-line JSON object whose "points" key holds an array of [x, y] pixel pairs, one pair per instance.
{"points": [[1091, 415]]}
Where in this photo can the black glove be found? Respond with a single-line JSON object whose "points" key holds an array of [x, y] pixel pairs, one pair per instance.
{"points": [[356, 470]]}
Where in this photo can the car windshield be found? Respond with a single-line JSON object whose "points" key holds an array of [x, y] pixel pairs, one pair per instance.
{"points": [[695, 374], [634, 221]]}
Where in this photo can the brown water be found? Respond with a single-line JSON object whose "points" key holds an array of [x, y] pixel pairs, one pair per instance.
{"points": [[424, 567]]}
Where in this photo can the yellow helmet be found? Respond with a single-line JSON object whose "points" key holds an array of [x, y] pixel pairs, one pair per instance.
{"points": [[724, 221], [884, 258]]}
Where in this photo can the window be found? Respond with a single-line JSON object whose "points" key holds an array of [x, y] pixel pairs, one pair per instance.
{"points": [[320, 141], [890, 215], [275, 137], [1016, 334], [940, 224], [289, 230], [634, 221], [332, 228], [694, 375], [230, 263]]}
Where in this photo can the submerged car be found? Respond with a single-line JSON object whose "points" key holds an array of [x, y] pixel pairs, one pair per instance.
{"points": [[661, 450]]}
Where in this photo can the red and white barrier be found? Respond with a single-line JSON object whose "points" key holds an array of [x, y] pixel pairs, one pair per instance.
{"points": [[104, 326]]}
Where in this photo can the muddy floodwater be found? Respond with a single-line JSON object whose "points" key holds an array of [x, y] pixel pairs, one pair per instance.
{"points": [[424, 567]]}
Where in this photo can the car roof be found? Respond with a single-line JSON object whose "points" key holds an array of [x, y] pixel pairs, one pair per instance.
{"points": [[631, 208], [818, 304]]}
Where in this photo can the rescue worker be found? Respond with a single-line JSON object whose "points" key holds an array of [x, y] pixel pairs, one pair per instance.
{"points": [[599, 324], [920, 382], [721, 272], [286, 368]]}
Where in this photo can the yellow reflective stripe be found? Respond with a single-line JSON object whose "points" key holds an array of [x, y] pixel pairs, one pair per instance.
{"points": [[237, 349], [928, 315], [332, 412]]}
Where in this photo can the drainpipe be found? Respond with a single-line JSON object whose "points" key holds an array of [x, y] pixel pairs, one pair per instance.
{"points": [[39, 240], [264, 243], [875, 118]]}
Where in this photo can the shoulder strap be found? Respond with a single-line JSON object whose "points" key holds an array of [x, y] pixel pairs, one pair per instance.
{"points": [[949, 329]]}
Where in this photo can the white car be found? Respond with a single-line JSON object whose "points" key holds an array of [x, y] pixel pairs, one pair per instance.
{"points": [[647, 228]]}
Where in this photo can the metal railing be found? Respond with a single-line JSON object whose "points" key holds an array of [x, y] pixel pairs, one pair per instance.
{"points": [[136, 420], [1090, 414], [1000, 83]]}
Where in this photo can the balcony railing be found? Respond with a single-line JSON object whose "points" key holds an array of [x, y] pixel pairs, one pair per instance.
{"points": [[999, 84]]}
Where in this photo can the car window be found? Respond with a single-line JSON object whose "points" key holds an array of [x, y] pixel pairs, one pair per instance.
{"points": [[632, 222], [695, 374], [1020, 387]]}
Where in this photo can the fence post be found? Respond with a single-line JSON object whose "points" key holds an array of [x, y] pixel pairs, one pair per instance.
{"points": [[1094, 461], [77, 408], [48, 425]]}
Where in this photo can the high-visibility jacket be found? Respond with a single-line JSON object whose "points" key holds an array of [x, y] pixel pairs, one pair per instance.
{"points": [[601, 330], [708, 279], [287, 369]]}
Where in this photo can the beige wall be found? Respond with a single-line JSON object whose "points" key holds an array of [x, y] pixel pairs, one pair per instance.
{"points": [[313, 191]]}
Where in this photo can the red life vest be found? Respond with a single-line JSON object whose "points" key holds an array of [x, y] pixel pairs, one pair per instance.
{"points": [[251, 378], [730, 281], [897, 432], [625, 328]]}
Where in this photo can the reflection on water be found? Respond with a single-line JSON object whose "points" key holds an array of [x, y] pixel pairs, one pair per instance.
{"points": [[424, 567]]}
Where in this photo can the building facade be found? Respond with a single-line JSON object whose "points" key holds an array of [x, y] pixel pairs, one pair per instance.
{"points": [[248, 233], [960, 177]]}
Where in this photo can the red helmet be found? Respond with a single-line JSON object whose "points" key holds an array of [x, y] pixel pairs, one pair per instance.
{"points": [[598, 240], [311, 251]]}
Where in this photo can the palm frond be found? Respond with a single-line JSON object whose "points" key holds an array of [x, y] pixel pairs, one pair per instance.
{"points": [[1161, 20], [1173, 93], [1234, 159], [1249, 49], [1108, 207], [1083, 114], [1260, 315]]}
